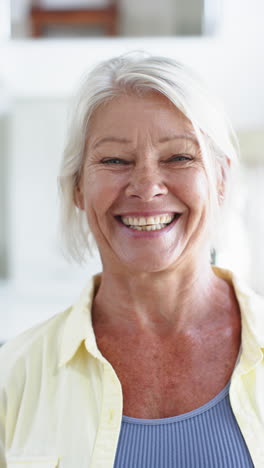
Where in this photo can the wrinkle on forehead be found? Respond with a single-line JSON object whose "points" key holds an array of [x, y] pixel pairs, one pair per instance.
{"points": [[114, 122]]}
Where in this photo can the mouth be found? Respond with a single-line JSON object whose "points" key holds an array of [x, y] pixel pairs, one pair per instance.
{"points": [[148, 223]]}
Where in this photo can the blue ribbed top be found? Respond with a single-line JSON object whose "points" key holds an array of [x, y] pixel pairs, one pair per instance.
{"points": [[207, 437]]}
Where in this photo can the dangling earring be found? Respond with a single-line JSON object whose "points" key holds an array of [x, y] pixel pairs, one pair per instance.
{"points": [[213, 256]]}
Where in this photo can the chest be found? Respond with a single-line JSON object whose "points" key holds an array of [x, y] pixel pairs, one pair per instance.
{"points": [[164, 381]]}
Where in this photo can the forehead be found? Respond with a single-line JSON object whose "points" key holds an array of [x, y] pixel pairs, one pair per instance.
{"points": [[129, 115]]}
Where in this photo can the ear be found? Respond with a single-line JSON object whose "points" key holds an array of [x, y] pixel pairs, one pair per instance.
{"points": [[78, 197], [223, 178]]}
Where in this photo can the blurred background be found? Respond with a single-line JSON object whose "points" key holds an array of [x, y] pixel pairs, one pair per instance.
{"points": [[46, 47]]}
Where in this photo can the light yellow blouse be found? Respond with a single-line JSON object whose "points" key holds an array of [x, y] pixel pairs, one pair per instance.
{"points": [[61, 401]]}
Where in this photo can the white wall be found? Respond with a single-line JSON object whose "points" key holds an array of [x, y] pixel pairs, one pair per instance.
{"points": [[3, 196], [232, 63], [242, 38]]}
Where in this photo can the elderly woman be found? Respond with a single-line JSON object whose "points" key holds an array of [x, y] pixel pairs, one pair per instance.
{"points": [[160, 362]]}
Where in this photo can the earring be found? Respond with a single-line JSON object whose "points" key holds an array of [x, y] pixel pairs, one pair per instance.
{"points": [[213, 256]]}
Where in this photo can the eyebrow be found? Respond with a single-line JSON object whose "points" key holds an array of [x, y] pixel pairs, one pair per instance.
{"points": [[112, 139], [182, 136]]}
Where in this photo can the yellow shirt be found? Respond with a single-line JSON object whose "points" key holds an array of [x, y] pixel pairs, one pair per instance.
{"points": [[61, 401]]}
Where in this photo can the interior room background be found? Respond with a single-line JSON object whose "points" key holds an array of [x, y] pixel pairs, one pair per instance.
{"points": [[222, 40]]}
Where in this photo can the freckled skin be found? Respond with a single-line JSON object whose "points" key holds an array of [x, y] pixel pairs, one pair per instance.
{"points": [[149, 181], [171, 375], [168, 325]]}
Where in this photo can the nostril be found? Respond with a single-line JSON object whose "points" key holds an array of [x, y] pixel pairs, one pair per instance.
{"points": [[146, 190]]}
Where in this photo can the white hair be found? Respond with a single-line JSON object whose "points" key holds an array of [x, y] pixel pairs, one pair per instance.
{"points": [[140, 73]]}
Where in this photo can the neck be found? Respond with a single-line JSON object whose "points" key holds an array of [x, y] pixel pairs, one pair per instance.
{"points": [[159, 302]]}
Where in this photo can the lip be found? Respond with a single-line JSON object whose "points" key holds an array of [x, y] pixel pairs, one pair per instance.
{"points": [[148, 234], [146, 214]]}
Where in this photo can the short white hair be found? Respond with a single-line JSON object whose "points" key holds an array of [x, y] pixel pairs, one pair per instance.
{"points": [[139, 73]]}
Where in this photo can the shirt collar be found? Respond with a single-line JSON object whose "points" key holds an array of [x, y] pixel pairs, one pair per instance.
{"points": [[252, 324], [78, 326], [79, 329]]}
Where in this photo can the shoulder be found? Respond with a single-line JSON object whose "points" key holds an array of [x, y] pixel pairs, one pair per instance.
{"points": [[252, 310], [39, 350], [250, 300], [27, 349], [250, 303]]}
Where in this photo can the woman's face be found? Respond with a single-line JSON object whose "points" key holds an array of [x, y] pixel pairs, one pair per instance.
{"points": [[143, 186]]}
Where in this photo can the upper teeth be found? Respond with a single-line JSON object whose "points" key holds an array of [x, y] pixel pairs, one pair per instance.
{"points": [[147, 221]]}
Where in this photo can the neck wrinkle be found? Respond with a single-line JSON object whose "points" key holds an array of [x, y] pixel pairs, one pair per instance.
{"points": [[164, 302]]}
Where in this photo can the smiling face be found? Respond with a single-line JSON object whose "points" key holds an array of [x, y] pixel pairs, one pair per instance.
{"points": [[143, 185]]}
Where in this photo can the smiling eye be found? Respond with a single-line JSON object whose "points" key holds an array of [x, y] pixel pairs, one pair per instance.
{"points": [[181, 157], [114, 161]]}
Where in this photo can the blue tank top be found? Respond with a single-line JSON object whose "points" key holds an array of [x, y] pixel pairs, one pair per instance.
{"points": [[207, 437]]}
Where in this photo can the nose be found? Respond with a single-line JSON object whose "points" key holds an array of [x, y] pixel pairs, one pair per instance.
{"points": [[146, 183]]}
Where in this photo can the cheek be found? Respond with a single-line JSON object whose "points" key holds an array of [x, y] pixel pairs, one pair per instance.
{"points": [[101, 191], [192, 188]]}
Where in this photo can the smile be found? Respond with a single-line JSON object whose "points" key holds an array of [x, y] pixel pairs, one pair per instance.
{"points": [[150, 223]]}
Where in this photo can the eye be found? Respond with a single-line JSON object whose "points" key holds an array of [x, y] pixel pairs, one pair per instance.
{"points": [[114, 161], [181, 158]]}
